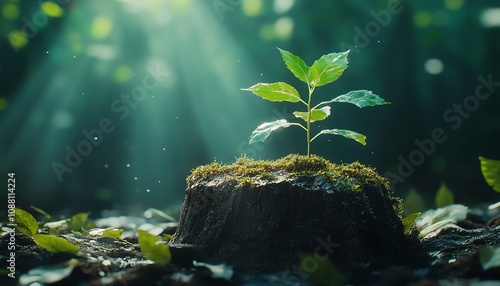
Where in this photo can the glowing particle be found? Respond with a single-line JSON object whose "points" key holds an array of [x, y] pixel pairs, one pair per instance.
{"points": [[96, 138], [164, 149], [261, 74], [128, 165], [83, 93], [47, 52], [159, 182], [135, 178], [106, 166], [74, 57], [147, 190]]}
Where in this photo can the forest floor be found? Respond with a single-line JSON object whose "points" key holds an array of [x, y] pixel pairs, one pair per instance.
{"points": [[450, 256]]}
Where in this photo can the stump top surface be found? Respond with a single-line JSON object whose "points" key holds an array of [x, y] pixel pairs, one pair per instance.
{"points": [[255, 172]]}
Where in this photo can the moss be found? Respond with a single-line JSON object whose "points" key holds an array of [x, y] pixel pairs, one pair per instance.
{"points": [[246, 171], [295, 165]]}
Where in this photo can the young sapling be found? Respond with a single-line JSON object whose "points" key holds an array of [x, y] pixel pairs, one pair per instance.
{"points": [[325, 70]]}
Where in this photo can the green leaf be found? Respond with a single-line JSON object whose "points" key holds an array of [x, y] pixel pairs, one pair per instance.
{"points": [[296, 65], [161, 214], [489, 257], [48, 274], [261, 133], [316, 114], [328, 68], [444, 196], [360, 98], [55, 244], [278, 91], [413, 202], [320, 270], [77, 222], [44, 213], [491, 172], [153, 248], [26, 223], [111, 232], [409, 221], [360, 138]]}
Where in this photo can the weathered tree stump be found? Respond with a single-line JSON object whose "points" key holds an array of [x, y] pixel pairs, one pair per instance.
{"points": [[258, 215]]}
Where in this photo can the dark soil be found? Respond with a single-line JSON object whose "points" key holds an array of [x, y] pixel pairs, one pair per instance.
{"points": [[449, 258]]}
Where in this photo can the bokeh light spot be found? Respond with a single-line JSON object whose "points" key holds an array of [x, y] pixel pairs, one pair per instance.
{"points": [[251, 7], [51, 9], [453, 4], [284, 28], [434, 66], [10, 11], [422, 19], [17, 39], [62, 119], [101, 27], [267, 32], [282, 6], [3, 103], [180, 5], [490, 18], [122, 73]]}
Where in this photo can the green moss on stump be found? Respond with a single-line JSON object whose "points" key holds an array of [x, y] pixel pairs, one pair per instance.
{"points": [[247, 171]]}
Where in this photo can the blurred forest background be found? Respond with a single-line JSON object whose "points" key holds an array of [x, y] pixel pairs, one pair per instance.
{"points": [[110, 104]]}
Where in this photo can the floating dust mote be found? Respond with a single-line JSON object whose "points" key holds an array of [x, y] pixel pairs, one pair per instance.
{"points": [[258, 215]]}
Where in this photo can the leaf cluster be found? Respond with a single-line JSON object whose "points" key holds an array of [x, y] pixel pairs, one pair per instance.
{"points": [[325, 70]]}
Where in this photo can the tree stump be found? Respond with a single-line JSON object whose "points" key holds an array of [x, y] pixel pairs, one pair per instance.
{"points": [[258, 215]]}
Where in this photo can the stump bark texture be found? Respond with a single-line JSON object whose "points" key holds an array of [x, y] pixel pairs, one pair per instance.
{"points": [[262, 219]]}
